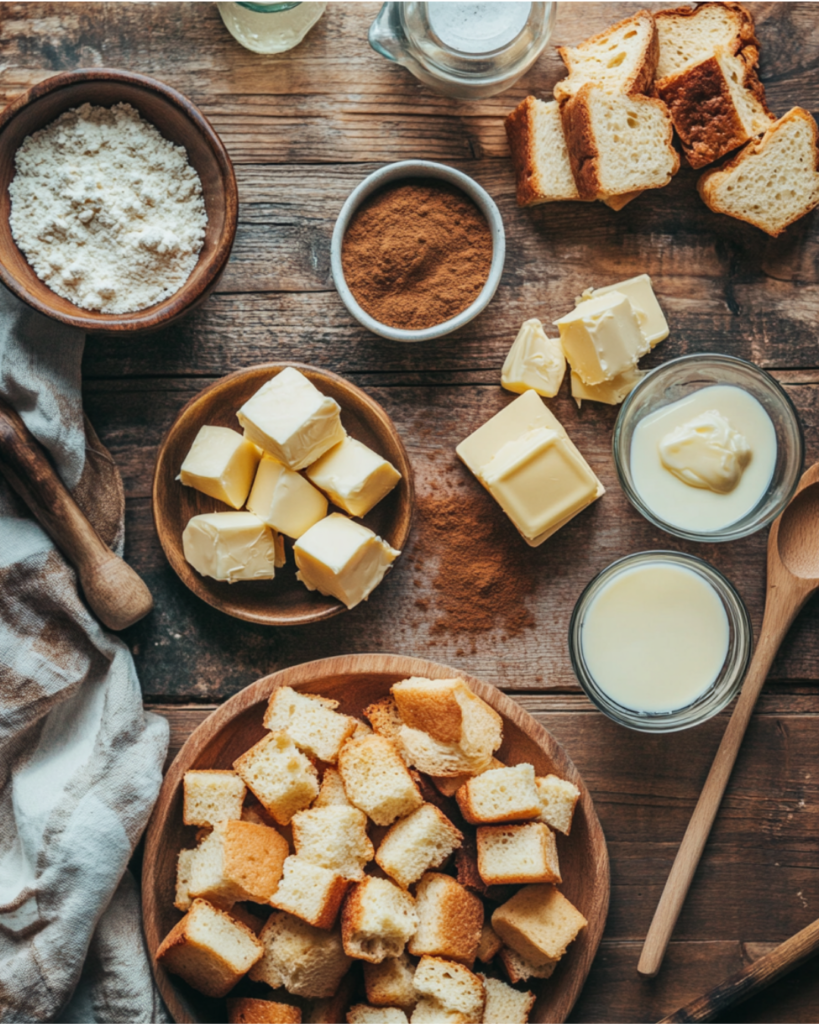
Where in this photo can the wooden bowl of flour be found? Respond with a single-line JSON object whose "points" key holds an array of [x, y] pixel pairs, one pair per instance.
{"points": [[179, 121]]}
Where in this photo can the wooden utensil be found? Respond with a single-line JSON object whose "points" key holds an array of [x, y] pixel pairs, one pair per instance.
{"points": [[116, 594], [752, 979], [356, 681], [283, 601], [793, 575]]}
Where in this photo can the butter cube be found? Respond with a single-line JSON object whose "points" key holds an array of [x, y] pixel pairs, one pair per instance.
{"points": [[284, 500], [602, 338], [611, 392], [221, 463], [342, 559], [537, 479], [292, 420], [232, 546], [355, 477], [534, 361], [644, 302]]}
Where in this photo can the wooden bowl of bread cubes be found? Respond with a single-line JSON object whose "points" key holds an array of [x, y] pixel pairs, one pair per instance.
{"points": [[373, 838]]}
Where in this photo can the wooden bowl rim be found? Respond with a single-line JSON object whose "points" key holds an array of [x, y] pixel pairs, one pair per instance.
{"points": [[307, 675], [404, 468], [188, 295]]}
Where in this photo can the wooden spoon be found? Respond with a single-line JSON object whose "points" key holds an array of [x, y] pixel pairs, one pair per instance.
{"points": [[116, 594], [793, 575], [752, 979]]}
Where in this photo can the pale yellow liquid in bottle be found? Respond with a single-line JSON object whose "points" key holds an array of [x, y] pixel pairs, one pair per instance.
{"points": [[270, 31]]}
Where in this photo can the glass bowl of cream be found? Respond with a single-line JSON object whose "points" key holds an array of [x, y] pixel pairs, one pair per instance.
{"points": [[660, 641], [708, 448]]}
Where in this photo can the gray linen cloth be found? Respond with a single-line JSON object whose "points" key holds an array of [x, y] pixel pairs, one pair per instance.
{"points": [[80, 762]]}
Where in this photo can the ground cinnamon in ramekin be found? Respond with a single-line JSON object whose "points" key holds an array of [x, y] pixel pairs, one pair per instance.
{"points": [[416, 253]]}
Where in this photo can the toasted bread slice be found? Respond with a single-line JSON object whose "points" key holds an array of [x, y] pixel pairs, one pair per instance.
{"points": [[539, 154], [417, 843], [310, 721], [238, 861], [618, 144], [334, 837], [539, 923], [361, 1013], [211, 796], [281, 778], [500, 795], [623, 59], [390, 982], [331, 793], [558, 799], [261, 1011], [450, 920], [377, 920], [489, 945], [452, 986], [519, 969], [689, 35], [504, 1003], [518, 854], [306, 961], [310, 892], [773, 181], [376, 779]]}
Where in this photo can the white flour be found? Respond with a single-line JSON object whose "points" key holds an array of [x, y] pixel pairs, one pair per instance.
{"points": [[108, 212]]}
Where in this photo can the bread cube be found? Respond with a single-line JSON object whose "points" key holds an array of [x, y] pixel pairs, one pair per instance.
{"points": [[221, 464], [184, 866], [449, 786], [363, 1014], [311, 722], [376, 780], [430, 1011], [504, 1003], [499, 795], [385, 718], [332, 1009], [354, 476], [453, 986], [518, 968], [539, 923], [210, 796], [447, 730], [284, 500], [558, 799], [209, 950], [291, 419], [413, 845], [449, 920], [377, 920], [489, 944], [518, 854], [390, 982], [310, 892], [332, 792], [279, 776], [261, 1011], [306, 961], [334, 838], [238, 861], [466, 865]]}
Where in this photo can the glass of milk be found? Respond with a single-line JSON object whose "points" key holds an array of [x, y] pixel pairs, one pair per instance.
{"points": [[464, 50], [270, 28], [678, 394], [660, 641]]}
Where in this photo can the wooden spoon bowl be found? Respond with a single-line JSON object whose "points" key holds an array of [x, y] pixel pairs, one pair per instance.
{"points": [[178, 120], [357, 681], [283, 601]]}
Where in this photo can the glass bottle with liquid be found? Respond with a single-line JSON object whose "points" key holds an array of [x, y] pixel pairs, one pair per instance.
{"points": [[464, 50], [270, 28]]}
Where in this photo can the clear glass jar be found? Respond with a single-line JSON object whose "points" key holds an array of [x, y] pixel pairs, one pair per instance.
{"points": [[270, 28], [727, 684], [681, 377]]}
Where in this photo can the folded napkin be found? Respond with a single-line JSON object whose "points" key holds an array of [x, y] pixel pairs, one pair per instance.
{"points": [[80, 762]]}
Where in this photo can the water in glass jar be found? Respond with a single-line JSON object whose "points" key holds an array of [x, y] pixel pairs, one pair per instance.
{"points": [[477, 28]]}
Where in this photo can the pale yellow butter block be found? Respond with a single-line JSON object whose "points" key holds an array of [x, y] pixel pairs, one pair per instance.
{"points": [[232, 546], [221, 464], [284, 500], [602, 338], [342, 559], [522, 416], [354, 476], [610, 392], [534, 362], [292, 420], [639, 292]]}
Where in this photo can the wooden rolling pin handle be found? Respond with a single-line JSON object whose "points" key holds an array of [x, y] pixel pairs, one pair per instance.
{"points": [[774, 628], [752, 979], [115, 593]]}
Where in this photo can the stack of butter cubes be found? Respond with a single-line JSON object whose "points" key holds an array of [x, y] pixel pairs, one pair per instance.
{"points": [[293, 459]]}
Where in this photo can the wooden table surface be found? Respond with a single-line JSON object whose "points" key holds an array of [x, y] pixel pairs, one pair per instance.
{"points": [[303, 129]]}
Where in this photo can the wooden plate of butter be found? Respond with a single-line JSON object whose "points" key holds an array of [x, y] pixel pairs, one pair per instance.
{"points": [[282, 494]]}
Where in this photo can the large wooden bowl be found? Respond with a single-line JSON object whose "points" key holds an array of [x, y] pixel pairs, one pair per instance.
{"points": [[178, 120], [283, 601], [356, 681]]}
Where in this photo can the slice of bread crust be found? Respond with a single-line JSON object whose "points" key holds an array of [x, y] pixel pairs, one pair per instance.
{"points": [[623, 58], [261, 1011], [688, 35], [773, 181], [450, 920], [539, 154], [618, 144]]}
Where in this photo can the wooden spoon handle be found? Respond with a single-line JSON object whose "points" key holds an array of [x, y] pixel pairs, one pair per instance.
{"points": [[752, 979], [779, 615], [116, 594]]}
